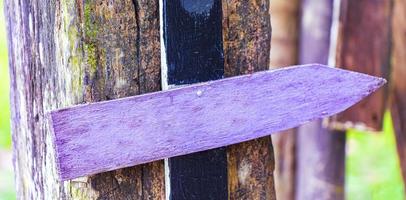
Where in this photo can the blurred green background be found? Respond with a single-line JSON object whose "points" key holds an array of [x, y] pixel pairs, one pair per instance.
{"points": [[372, 166], [7, 191]]}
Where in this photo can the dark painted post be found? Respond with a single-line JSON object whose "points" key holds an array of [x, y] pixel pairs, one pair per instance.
{"points": [[192, 32]]}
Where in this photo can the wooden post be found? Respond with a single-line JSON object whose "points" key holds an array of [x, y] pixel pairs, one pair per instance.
{"points": [[193, 28], [398, 90], [364, 46], [192, 33], [320, 151], [284, 52], [70, 52], [247, 43]]}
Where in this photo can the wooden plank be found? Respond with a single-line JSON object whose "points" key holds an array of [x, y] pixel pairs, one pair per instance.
{"points": [[320, 151], [398, 90], [194, 53], [284, 52], [70, 52], [200, 117], [247, 42], [364, 46]]}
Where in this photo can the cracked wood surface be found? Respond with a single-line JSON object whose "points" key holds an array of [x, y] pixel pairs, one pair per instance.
{"points": [[69, 52], [247, 42]]}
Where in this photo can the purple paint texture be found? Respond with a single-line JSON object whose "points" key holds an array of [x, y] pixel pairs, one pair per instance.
{"points": [[114, 134]]}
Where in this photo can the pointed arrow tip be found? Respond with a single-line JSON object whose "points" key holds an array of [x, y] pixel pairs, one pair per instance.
{"points": [[372, 82]]}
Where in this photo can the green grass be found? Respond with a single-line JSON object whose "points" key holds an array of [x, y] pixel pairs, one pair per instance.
{"points": [[7, 191], [5, 138], [372, 166]]}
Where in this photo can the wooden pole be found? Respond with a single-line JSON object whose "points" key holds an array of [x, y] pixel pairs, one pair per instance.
{"points": [[192, 35], [398, 89], [240, 171], [320, 152], [247, 43], [70, 52], [364, 46], [284, 52]]}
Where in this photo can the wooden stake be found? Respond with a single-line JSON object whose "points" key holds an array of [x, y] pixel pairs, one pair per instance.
{"points": [[284, 52], [320, 151], [398, 90], [364, 46], [192, 33], [200, 117]]}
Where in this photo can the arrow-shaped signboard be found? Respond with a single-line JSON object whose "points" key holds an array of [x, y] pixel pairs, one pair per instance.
{"points": [[108, 135]]}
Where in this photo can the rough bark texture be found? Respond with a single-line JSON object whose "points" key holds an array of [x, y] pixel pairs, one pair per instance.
{"points": [[70, 52], [246, 36], [284, 52], [250, 170], [364, 46], [398, 90], [320, 152], [247, 42]]}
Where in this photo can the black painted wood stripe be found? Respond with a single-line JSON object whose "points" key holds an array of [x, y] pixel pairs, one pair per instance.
{"points": [[194, 53]]}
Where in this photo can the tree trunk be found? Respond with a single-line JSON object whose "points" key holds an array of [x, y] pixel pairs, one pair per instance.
{"points": [[285, 40], [70, 52]]}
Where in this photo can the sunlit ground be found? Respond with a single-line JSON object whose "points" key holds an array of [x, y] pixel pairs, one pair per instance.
{"points": [[372, 169]]}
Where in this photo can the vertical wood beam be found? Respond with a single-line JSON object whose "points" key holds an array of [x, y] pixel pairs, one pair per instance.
{"points": [[320, 151], [245, 45], [284, 52], [192, 33], [247, 42], [398, 89], [364, 46]]}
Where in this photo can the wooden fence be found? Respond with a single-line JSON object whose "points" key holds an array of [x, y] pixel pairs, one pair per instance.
{"points": [[64, 53]]}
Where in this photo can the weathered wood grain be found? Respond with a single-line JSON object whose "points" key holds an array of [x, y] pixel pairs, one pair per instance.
{"points": [[321, 163], [285, 34], [398, 90], [284, 52], [364, 46], [194, 53], [199, 117], [320, 151], [68, 52], [247, 42]]}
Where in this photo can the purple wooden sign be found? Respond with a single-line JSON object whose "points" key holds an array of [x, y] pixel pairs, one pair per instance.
{"points": [[108, 135]]}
